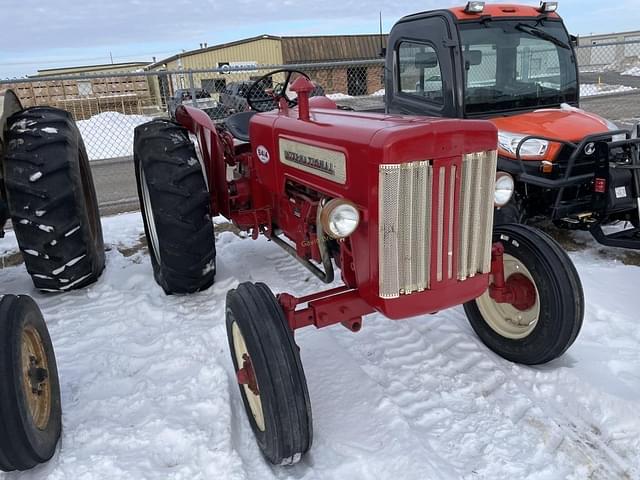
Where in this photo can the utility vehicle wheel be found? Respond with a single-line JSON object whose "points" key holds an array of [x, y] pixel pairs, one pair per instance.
{"points": [[30, 414], [270, 375], [52, 199], [547, 323], [175, 207]]}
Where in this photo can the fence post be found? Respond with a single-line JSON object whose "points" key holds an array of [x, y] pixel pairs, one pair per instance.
{"points": [[192, 87]]}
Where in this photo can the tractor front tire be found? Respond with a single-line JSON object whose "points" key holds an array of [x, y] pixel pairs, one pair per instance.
{"points": [[550, 325], [175, 207], [52, 199], [269, 373], [30, 412]]}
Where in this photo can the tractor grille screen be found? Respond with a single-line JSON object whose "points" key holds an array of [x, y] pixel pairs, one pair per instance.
{"points": [[435, 222]]}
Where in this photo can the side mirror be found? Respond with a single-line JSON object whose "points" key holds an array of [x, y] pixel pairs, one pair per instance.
{"points": [[426, 60], [574, 40], [473, 58]]}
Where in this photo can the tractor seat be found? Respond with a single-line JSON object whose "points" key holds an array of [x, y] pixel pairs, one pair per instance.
{"points": [[238, 125]]}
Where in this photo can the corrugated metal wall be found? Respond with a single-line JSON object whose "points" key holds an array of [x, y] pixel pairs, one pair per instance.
{"points": [[331, 48]]}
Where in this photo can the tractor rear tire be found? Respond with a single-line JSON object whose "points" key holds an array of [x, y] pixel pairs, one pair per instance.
{"points": [[263, 351], [174, 201], [30, 411], [544, 331], [52, 199]]}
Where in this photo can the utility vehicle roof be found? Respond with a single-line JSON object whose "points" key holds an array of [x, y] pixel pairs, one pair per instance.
{"points": [[502, 10]]}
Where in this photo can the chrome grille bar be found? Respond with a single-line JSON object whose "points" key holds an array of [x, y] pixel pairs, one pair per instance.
{"points": [[404, 228], [476, 213]]}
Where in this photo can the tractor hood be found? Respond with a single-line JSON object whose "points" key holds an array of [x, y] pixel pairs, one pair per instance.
{"points": [[566, 123]]}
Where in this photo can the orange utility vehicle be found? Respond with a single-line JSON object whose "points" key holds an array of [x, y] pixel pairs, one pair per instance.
{"points": [[516, 66]]}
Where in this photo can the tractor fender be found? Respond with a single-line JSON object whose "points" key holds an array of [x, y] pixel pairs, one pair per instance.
{"points": [[9, 104]]}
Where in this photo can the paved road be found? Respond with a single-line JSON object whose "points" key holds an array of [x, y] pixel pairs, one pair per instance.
{"points": [[115, 185]]}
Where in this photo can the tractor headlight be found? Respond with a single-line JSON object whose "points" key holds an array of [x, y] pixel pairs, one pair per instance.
{"points": [[339, 218], [534, 147], [612, 128], [505, 187]]}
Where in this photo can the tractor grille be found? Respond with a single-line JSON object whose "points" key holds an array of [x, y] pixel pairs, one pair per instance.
{"points": [[421, 240]]}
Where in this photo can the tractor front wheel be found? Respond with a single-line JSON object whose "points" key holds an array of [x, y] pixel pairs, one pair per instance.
{"points": [[546, 323], [175, 207], [269, 372], [30, 412]]}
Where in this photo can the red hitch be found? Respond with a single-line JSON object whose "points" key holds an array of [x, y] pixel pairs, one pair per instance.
{"points": [[516, 290], [246, 375], [338, 305]]}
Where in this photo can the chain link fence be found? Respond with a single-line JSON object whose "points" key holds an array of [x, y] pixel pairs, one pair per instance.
{"points": [[107, 108]]}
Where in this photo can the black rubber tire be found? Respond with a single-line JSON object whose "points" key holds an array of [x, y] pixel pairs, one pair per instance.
{"points": [[166, 159], [559, 290], [22, 444], [288, 432], [52, 200]]}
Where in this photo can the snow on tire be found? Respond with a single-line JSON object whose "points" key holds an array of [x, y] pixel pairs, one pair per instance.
{"points": [[174, 201], [269, 372], [52, 199], [547, 327], [30, 412]]}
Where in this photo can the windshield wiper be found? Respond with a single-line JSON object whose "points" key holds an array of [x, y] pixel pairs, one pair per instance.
{"points": [[537, 32]]}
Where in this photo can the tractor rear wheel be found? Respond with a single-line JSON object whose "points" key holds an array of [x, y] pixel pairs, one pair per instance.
{"points": [[548, 323], [52, 199], [30, 412], [175, 207], [269, 373]]}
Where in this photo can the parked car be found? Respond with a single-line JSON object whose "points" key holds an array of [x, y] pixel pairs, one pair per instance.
{"points": [[203, 101]]}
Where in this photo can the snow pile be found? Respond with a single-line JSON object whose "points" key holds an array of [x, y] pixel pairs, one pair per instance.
{"points": [[110, 134], [593, 89], [149, 392], [633, 72], [378, 93], [338, 96]]}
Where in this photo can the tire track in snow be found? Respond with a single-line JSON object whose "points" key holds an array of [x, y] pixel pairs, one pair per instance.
{"points": [[455, 392]]}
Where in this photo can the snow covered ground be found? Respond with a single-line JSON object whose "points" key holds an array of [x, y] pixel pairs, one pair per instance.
{"points": [[592, 89], [633, 72], [149, 393], [110, 134]]}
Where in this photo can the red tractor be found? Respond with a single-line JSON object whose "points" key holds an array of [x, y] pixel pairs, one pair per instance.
{"points": [[401, 206]]}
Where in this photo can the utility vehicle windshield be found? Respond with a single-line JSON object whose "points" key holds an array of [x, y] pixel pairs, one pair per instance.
{"points": [[513, 65]]}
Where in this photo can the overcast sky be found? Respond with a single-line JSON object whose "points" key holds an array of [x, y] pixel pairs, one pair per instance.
{"points": [[36, 34]]}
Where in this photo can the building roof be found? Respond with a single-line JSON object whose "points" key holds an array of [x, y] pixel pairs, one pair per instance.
{"points": [[91, 68], [211, 49], [328, 48]]}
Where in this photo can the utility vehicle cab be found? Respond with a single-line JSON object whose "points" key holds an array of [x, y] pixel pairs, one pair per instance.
{"points": [[516, 66]]}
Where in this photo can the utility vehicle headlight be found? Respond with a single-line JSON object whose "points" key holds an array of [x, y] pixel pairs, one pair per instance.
{"points": [[533, 147], [340, 218], [505, 187], [612, 128]]}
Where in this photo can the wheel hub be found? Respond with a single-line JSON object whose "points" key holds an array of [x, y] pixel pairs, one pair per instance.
{"points": [[246, 375], [511, 305], [35, 377]]}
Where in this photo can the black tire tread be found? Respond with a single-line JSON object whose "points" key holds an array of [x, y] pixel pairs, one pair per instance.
{"points": [[180, 203], [22, 445], [566, 291], [278, 367], [58, 192]]}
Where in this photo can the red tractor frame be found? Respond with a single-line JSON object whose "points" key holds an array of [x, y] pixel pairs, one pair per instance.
{"points": [[402, 206]]}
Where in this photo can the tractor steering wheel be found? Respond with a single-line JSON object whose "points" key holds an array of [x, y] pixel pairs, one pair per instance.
{"points": [[260, 99]]}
